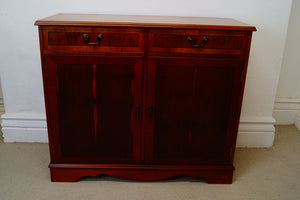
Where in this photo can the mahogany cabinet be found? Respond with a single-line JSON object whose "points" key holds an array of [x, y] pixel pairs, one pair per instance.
{"points": [[143, 97]]}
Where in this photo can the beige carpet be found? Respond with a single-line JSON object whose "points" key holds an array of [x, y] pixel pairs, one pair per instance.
{"points": [[272, 173]]}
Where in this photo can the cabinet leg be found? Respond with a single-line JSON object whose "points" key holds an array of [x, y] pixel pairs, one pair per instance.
{"points": [[218, 177]]}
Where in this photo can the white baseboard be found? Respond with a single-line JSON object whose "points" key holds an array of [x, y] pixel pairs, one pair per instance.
{"points": [[256, 133], [286, 110], [25, 135], [297, 121], [18, 127], [32, 128]]}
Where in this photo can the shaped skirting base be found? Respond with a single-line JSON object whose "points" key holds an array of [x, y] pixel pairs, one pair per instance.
{"points": [[73, 172]]}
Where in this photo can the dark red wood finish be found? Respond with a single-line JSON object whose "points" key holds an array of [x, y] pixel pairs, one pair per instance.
{"points": [[144, 21], [94, 113], [114, 39], [219, 42], [143, 104], [193, 108], [216, 174]]}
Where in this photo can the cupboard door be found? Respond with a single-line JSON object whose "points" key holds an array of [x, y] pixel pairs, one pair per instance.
{"points": [[192, 109], [93, 106]]}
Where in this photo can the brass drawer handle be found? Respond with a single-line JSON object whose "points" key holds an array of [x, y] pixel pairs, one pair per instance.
{"points": [[193, 42], [86, 38]]}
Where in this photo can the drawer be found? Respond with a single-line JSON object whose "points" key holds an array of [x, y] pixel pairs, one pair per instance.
{"points": [[93, 39], [198, 41]]}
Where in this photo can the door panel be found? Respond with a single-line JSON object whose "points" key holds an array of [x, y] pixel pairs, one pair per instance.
{"points": [[95, 119], [114, 105], [192, 116], [75, 107]]}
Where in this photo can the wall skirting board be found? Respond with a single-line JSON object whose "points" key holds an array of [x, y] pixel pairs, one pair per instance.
{"points": [[18, 127], [257, 132], [32, 128], [287, 111], [297, 121]]}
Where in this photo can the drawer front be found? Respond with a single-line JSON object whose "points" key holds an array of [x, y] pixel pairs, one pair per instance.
{"points": [[198, 41], [93, 39]]}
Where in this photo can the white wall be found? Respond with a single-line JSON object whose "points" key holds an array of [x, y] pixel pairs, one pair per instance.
{"points": [[20, 63], [287, 106]]}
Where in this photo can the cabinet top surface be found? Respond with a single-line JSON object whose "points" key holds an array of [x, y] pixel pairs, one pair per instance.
{"points": [[143, 21]]}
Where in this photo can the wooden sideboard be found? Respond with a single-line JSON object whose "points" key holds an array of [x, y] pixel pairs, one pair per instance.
{"points": [[143, 97]]}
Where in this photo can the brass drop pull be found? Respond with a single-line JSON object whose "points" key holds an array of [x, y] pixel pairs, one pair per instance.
{"points": [[192, 41], [86, 38]]}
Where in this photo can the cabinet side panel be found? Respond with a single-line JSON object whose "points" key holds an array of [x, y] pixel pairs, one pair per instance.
{"points": [[45, 88]]}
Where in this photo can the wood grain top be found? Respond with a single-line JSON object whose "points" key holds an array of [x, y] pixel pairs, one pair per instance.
{"points": [[143, 21]]}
